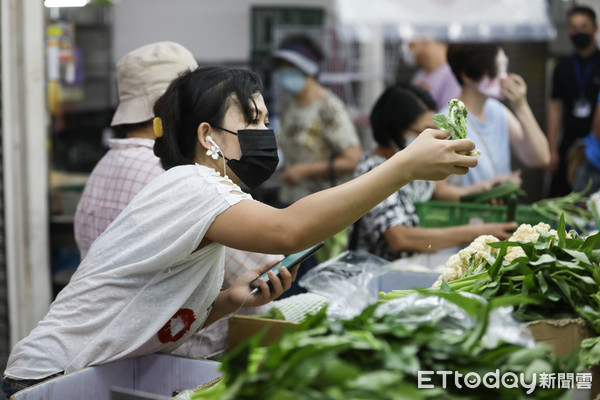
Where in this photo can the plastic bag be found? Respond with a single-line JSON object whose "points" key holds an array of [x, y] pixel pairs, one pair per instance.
{"points": [[348, 282], [444, 315]]}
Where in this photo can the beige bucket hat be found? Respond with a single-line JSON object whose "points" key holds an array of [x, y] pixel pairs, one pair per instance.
{"points": [[144, 74]]}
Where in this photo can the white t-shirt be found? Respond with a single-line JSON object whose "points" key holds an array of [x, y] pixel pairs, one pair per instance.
{"points": [[142, 288]]}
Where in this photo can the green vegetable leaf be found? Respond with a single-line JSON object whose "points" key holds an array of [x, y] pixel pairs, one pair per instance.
{"points": [[590, 351], [456, 120]]}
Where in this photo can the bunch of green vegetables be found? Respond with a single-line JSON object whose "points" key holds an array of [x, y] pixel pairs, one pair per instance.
{"points": [[500, 191], [378, 355], [456, 120], [573, 206], [560, 275]]}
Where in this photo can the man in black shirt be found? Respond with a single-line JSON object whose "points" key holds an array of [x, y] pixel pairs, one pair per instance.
{"points": [[575, 87]]}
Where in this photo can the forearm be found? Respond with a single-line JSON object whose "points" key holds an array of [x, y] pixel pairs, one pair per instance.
{"points": [[535, 142], [425, 240], [221, 307], [329, 211], [447, 192]]}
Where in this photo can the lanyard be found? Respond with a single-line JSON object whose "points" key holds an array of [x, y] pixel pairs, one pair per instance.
{"points": [[582, 79]]}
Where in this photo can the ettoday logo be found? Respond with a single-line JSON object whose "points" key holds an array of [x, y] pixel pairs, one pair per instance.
{"points": [[510, 380]]}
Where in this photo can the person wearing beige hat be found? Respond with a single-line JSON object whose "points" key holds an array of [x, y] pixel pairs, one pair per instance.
{"points": [[142, 76]]}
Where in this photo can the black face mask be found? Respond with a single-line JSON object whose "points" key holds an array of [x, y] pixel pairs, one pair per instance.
{"points": [[581, 40], [259, 156]]}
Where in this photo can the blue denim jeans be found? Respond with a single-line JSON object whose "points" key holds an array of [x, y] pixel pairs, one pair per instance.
{"points": [[12, 386]]}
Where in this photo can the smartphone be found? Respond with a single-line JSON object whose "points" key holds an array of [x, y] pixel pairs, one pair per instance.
{"points": [[289, 262]]}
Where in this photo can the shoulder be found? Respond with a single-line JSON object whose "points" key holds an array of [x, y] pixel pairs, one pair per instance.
{"points": [[191, 176], [564, 66], [492, 104], [332, 100], [126, 143], [193, 187]]}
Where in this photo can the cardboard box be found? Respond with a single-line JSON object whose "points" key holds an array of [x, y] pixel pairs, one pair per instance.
{"points": [[242, 328], [565, 336], [154, 376], [407, 275]]}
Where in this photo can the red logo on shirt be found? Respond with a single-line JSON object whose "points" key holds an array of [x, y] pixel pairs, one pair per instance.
{"points": [[177, 326]]}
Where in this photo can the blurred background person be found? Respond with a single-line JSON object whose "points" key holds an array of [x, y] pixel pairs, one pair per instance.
{"points": [[143, 75], [499, 133], [575, 87], [319, 142], [584, 160], [318, 139], [391, 229], [434, 74]]}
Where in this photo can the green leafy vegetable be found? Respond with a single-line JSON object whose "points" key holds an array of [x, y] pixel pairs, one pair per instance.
{"points": [[499, 191], [560, 276], [379, 356], [573, 206], [456, 120]]}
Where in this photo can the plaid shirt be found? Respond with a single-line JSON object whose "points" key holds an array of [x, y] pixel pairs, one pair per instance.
{"points": [[123, 171]]}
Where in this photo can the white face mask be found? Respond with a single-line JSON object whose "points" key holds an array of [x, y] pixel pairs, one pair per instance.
{"points": [[491, 87]]}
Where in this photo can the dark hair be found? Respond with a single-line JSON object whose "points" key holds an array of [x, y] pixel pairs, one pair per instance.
{"points": [[202, 95], [475, 60], [123, 129], [587, 11], [396, 110], [304, 45]]}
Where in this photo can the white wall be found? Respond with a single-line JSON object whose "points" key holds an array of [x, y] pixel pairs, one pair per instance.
{"points": [[213, 30], [24, 164]]}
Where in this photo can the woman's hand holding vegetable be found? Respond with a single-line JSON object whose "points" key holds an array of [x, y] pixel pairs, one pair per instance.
{"points": [[434, 158]]}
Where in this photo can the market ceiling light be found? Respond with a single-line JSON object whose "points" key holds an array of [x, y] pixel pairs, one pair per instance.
{"points": [[65, 3]]}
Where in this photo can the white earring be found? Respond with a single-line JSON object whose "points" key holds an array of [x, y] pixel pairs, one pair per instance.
{"points": [[214, 149]]}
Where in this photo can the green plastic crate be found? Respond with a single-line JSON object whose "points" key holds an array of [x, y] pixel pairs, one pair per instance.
{"points": [[436, 214]]}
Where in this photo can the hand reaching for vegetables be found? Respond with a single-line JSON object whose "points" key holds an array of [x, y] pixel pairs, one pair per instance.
{"points": [[434, 158]]}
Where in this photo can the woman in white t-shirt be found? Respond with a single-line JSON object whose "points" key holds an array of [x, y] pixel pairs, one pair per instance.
{"points": [[499, 132], [153, 277]]}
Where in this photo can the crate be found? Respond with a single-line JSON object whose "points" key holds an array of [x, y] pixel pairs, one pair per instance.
{"points": [[435, 214]]}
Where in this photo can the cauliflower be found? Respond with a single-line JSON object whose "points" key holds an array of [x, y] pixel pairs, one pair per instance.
{"points": [[457, 264], [526, 233]]}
